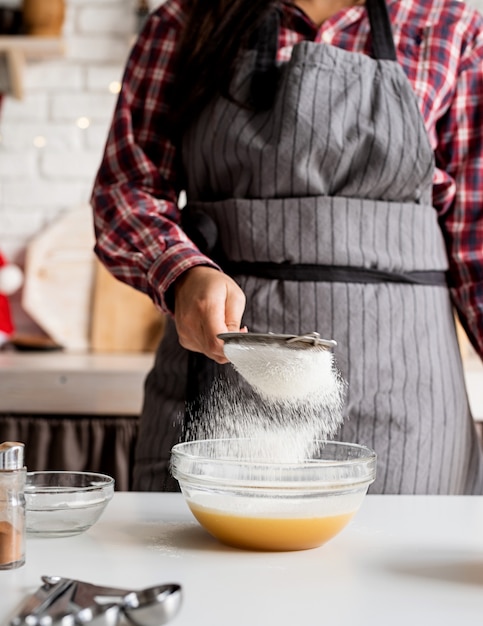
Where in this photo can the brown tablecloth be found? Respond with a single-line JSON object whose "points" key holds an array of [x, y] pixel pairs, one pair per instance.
{"points": [[80, 443]]}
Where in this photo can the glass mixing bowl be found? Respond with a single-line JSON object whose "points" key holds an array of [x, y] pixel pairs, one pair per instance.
{"points": [[59, 504], [250, 503]]}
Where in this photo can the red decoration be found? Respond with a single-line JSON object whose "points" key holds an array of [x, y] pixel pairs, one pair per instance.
{"points": [[7, 327]]}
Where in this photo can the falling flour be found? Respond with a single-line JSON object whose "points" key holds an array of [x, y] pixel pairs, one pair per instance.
{"points": [[284, 401]]}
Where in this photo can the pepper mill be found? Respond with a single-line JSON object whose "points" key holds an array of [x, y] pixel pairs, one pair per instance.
{"points": [[12, 505]]}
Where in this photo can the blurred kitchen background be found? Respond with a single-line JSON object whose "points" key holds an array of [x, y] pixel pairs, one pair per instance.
{"points": [[64, 80], [71, 375]]}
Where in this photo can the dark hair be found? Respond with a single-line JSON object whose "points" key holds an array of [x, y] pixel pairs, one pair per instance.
{"points": [[215, 34]]}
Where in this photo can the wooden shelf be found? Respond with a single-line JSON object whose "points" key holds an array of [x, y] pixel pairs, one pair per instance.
{"points": [[15, 50], [33, 47]]}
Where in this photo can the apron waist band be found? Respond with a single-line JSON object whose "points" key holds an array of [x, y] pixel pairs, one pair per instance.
{"points": [[333, 273]]}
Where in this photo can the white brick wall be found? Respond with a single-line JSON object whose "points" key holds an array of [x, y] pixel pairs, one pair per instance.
{"points": [[39, 184]]}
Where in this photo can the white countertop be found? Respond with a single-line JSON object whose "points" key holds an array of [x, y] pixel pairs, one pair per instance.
{"points": [[402, 560]]}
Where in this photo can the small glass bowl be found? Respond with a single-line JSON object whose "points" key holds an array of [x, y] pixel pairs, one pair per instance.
{"points": [[59, 504], [273, 506]]}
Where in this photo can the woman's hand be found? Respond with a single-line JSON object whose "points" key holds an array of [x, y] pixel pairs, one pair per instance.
{"points": [[207, 302]]}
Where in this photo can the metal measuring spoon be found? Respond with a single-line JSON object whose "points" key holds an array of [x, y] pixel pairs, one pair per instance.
{"points": [[35, 610], [96, 615], [101, 606], [153, 606]]}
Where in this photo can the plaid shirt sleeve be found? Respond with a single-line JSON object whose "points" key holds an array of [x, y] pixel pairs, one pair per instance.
{"points": [[134, 199], [458, 194]]}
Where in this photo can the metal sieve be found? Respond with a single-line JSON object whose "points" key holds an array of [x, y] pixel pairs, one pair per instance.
{"points": [[306, 340]]}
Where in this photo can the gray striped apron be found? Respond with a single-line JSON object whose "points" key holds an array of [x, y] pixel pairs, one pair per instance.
{"points": [[322, 208]]}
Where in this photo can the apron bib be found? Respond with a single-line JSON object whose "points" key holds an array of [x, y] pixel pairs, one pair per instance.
{"points": [[322, 205]]}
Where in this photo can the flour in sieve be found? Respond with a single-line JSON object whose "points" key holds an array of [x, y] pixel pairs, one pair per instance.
{"points": [[284, 373]]}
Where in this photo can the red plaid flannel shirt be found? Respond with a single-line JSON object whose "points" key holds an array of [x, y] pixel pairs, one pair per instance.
{"points": [[135, 197]]}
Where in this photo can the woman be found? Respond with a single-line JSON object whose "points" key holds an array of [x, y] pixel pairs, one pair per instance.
{"points": [[335, 174]]}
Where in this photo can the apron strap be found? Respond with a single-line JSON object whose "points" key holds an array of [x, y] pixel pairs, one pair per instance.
{"points": [[333, 273], [265, 74], [382, 39]]}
